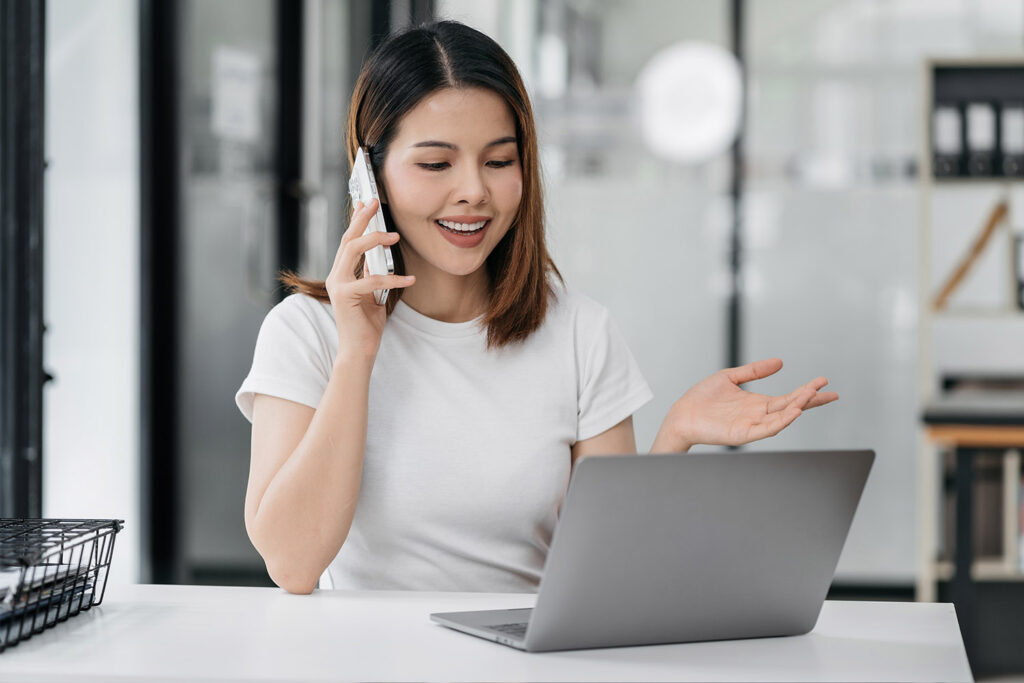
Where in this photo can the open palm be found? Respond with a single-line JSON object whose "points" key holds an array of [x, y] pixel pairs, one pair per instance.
{"points": [[718, 411]]}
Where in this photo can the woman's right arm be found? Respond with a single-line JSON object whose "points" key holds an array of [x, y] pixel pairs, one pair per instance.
{"points": [[306, 465], [304, 477]]}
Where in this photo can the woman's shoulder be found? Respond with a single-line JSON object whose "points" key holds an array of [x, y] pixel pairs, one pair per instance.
{"points": [[574, 303], [300, 311], [576, 307]]}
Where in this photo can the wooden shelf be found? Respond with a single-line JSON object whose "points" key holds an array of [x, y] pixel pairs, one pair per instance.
{"points": [[976, 436], [987, 569], [967, 181], [1008, 313]]}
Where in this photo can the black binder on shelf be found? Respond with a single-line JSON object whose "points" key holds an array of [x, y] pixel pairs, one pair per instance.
{"points": [[1011, 142], [947, 140], [981, 136]]}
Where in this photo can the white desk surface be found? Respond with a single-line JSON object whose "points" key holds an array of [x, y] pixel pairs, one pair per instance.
{"points": [[196, 633]]}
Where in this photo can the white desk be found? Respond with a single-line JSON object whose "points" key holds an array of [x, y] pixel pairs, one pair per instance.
{"points": [[195, 633]]}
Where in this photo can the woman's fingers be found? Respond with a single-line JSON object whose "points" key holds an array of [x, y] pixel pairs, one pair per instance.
{"points": [[773, 424], [812, 396], [752, 371], [780, 402], [821, 398], [360, 219], [785, 418], [360, 245], [802, 397], [361, 215], [818, 383], [354, 244], [351, 251], [783, 410], [366, 285]]}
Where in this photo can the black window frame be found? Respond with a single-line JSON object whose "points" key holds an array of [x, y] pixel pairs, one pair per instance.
{"points": [[22, 164]]}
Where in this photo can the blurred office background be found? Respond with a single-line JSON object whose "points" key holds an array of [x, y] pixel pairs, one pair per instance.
{"points": [[195, 147]]}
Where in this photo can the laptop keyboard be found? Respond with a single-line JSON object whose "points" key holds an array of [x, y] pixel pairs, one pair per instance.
{"points": [[514, 630]]}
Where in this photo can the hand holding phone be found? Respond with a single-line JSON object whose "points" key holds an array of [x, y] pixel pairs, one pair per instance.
{"points": [[362, 186]]}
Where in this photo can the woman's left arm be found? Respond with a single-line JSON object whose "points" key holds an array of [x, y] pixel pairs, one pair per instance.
{"points": [[716, 411], [619, 440]]}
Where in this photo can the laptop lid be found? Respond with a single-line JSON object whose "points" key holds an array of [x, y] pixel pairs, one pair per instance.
{"points": [[704, 546]]}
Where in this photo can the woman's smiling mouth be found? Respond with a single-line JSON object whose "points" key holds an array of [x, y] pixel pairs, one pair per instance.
{"points": [[464, 232], [462, 228]]}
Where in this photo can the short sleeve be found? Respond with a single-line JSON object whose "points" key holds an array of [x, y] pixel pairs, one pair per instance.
{"points": [[292, 359], [610, 384]]}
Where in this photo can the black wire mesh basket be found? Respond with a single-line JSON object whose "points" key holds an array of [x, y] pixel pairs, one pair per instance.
{"points": [[51, 570]]}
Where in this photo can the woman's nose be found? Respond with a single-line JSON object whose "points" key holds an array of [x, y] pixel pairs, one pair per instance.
{"points": [[471, 188]]}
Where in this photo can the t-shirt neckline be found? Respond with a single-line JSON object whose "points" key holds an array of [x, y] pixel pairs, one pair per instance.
{"points": [[436, 328]]}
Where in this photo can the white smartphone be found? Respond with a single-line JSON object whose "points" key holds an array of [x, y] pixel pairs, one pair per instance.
{"points": [[362, 186]]}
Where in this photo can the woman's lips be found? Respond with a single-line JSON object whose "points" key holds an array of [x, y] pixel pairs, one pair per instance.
{"points": [[464, 240]]}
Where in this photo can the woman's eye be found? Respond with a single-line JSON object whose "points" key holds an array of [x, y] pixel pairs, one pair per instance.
{"points": [[441, 165]]}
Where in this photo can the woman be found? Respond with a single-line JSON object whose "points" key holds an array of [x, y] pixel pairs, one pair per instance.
{"points": [[427, 444]]}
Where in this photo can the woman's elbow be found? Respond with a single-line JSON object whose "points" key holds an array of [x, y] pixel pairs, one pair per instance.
{"points": [[297, 589], [293, 582]]}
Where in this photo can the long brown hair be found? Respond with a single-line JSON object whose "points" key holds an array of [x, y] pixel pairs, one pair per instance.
{"points": [[407, 67]]}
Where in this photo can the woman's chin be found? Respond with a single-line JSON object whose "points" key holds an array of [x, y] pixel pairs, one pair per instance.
{"points": [[456, 265], [460, 265], [463, 269]]}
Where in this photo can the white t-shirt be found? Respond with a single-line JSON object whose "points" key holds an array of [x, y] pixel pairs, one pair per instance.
{"points": [[467, 450]]}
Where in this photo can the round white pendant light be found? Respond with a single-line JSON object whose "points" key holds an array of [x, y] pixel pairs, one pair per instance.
{"points": [[690, 97]]}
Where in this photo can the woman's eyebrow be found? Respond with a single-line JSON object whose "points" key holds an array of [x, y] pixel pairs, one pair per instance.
{"points": [[448, 145]]}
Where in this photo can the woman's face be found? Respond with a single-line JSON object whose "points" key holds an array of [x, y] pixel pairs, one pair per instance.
{"points": [[452, 179]]}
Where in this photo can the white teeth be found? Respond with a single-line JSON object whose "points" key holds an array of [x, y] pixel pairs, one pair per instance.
{"points": [[463, 227]]}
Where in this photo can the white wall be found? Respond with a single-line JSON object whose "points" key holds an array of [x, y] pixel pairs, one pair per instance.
{"points": [[90, 441]]}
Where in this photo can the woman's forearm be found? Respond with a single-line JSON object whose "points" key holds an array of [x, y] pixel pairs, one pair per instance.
{"points": [[307, 509]]}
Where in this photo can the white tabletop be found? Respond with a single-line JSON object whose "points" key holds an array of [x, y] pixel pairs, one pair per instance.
{"points": [[196, 633]]}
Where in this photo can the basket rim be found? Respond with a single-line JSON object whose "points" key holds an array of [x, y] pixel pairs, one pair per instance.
{"points": [[15, 554]]}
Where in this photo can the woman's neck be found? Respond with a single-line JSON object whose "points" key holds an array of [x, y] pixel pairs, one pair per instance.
{"points": [[446, 297]]}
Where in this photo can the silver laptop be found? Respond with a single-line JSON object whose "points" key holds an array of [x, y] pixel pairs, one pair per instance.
{"points": [[678, 548]]}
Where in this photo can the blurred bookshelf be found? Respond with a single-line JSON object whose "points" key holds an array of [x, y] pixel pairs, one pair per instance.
{"points": [[970, 489]]}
